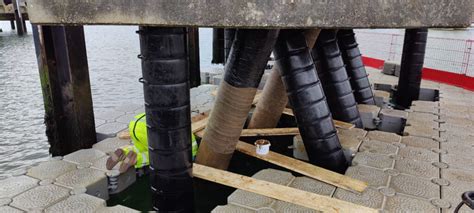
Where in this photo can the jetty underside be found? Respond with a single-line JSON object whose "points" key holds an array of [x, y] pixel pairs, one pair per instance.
{"points": [[318, 77], [255, 13]]}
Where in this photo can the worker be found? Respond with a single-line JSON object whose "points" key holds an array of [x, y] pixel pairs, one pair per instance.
{"points": [[137, 154]]}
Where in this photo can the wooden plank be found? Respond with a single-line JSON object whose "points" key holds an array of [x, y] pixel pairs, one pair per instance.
{"points": [[270, 132], [276, 191], [199, 133], [343, 125], [64, 77], [199, 125], [337, 123], [304, 168], [288, 111]]}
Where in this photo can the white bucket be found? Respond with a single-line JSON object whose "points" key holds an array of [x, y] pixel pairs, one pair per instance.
{"points": [[262, 147]]}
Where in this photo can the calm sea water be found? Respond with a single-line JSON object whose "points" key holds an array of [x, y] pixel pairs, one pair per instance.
{"points": [[114, 70]]}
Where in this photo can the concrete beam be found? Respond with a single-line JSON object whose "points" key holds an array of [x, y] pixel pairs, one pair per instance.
{"points": [[255, 13]]}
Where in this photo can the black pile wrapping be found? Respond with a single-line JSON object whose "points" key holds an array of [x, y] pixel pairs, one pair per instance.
{"points": [[332, 72], [355, 67], [246, 63], [413, 57], [217, 46], [308, 100], [229, 35], [167, 106]]}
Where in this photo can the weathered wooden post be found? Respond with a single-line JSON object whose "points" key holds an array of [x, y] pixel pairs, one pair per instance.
{"points": [[168, 116], [333, 76], [64, 74], [218, 46], [355, 67], [193, 54], [309, 103], [243, 72], [413, 57], [20, 23]]}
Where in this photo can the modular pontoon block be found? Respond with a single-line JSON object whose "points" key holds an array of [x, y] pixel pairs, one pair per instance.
{"points": [[13, 186], [403, 203], [49, 170], [460, 180], [373, 176], [420, 154], [382, 98], [305, 184], [9, 209], [392, 120], [40, 197], [378, 147], [427, 94], [415, 186], [94, 181], [422, 117], [417, 168], [111, 144], [385, 87], [256, 201], [5, 201], [117, 209], [125, 119], [110, 129], [390, 68], [373, 160], [420, 142], [427, 131], [425, 106], [231, 209], [243, 201], [369, 115], [87, 156], [77, 203], [350, 140], [384, 136], [371, 197]]}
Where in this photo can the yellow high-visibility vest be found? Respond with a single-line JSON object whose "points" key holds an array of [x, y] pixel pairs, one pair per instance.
{"points": [[138, 133]]}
